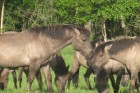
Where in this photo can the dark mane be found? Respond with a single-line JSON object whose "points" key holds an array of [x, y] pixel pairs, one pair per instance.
{"points": [[55, 31]]}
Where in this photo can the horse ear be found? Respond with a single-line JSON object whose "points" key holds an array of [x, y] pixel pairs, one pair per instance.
{"points": [[96, 45], [76, 31], [108, 47]]}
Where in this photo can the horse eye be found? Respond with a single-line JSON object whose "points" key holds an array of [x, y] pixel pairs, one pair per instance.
{"points": [[84, 40]]}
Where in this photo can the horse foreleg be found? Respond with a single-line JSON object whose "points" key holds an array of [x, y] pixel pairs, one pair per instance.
{"points": [[48, 78], [74, 72], [119, 76], [112, 81], [75, 79], [86, 76], [14, 78], [31, 75], [20, 76], [39, 79]]}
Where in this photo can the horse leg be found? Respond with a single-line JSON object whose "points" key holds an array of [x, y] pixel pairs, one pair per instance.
{"points": [[125, 80], [14, 78], [112, 81], [4, 78], [86, 76], [74, 71], [33, 68], [48, 78], [133, 80], [20, 76], [137, 83], [39, 79], [119, 76], [76, 78]]}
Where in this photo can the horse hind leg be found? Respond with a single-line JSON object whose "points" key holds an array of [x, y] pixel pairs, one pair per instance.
{"points": [[86, 76]]}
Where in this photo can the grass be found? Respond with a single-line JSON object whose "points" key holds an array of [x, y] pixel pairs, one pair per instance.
{"points": [[68, 57]]}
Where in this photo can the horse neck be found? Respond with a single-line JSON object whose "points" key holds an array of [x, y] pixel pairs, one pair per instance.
{"points": [[117, 57], [61, 45]]}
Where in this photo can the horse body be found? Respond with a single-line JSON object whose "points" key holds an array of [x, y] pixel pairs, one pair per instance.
{"points": [[124, 50], [34, 46]]}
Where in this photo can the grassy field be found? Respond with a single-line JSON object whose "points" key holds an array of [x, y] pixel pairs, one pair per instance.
{"points": [[68, 57]]}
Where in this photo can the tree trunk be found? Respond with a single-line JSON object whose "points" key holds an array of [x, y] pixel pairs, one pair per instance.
{"points": [[124, 27], [104, 31], [2, 16]]}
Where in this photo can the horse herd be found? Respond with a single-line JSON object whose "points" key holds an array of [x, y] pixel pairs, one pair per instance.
{"points": [[38, 49]]}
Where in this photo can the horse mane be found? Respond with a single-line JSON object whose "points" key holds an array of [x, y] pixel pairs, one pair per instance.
{"points": [[123, 43], [119, 44], [56, 31]]}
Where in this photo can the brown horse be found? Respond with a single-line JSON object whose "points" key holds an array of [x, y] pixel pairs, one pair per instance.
{"points": [[57, 64], [34, 46], [110, 69], [124, 50]]}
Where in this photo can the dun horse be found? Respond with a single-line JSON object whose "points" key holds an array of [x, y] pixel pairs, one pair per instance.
{"points": [[109, 69], [124, 50], [34, 46]]}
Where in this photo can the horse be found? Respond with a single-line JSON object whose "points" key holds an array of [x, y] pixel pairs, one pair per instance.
{"points": [[57, 64], [124, 50], [34, 46], [80, 60], [110, 69]]}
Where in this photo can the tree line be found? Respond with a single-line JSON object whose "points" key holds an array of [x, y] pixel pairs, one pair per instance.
{"points": [[107, 18]]}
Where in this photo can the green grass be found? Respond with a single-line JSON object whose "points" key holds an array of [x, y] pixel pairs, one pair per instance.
{"points": [[68, 57]]}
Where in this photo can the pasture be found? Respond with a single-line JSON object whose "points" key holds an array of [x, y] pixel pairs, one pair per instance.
{"points": [[68, 57]]}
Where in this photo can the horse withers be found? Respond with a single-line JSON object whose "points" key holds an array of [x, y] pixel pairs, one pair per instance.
{"points": [[124, 50]]}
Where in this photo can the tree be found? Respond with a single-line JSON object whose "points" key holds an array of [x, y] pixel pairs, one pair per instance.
{"points": [[23, 14], [2, 15]]}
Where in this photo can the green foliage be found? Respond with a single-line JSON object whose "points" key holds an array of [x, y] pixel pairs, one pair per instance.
{"points": [[22, 14], [78, 12]]}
